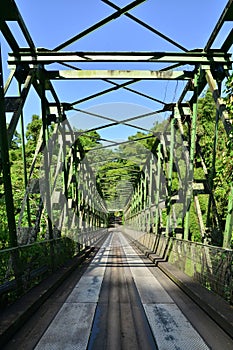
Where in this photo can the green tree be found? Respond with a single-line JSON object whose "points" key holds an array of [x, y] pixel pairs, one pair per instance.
{"points": [[89, 139], [219, 164], [32, 134]]}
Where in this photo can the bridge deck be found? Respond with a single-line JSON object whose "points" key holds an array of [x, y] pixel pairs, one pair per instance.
{"points": [[123, 302]]}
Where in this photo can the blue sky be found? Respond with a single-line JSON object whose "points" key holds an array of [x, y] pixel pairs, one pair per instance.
{"points": [[52, 22]]}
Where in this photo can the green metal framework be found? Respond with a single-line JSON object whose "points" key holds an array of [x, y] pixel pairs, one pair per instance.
{"points": [[70, 196]]}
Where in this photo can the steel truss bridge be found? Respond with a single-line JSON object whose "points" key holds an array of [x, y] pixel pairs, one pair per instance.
{"points": [[63, 211]]}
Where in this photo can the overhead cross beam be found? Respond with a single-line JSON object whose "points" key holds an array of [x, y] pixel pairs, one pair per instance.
{"points": [[191, 57], [121, 143], [118, 74], [115, 87], [111, 119], [123, 121]]}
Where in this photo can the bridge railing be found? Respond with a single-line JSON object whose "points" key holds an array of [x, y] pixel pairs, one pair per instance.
{"points": [[23, 267], [209, 265]]}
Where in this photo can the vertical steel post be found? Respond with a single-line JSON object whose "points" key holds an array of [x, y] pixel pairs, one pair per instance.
{"points": [[229, 222], [46, 157], [191, 160], [137, 209], [221, 110], [141, 204], [170, 171], [65, 141], [158, 187], [145, 203], [9, 201], [150, 192], [212, 173], [25, 164]]}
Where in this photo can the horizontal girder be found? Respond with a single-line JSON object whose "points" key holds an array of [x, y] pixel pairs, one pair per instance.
{"points": [[118, 74], [191, 57]]}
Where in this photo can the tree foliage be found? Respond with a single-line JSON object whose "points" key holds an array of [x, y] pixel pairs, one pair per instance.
{"points": [[32, 134], [17, 173]]}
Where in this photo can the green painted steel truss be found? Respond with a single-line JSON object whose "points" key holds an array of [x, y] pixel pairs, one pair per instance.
{"points": [[69, 198]]}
